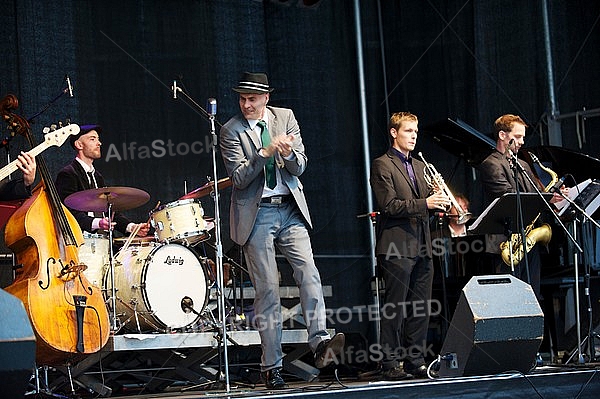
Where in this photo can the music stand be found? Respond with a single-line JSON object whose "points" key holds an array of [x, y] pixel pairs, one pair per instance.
{"points": [[583, 200], [501, 217], [503, 214], [586, 195]]}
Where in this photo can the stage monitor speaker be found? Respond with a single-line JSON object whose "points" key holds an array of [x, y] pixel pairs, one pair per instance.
{"points": [[497, 327], [17, 347]]}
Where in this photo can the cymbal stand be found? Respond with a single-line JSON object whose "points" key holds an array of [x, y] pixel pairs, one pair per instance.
{"points": [[235, 265], [212, 107], [111, 265]]}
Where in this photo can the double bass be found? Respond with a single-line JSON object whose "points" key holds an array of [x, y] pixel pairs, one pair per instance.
{"points": [[68, 315]]}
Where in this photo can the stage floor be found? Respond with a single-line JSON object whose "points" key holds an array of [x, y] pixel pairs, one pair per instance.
{"points": [[544, 382]]}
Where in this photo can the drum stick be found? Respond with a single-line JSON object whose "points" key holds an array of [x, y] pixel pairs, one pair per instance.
{"points": [[134, 232]]}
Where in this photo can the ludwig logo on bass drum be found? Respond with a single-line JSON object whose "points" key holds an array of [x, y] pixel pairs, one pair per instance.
{"points": [[173, 259]]}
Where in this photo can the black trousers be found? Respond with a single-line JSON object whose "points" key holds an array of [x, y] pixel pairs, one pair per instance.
{"points": [[405, 311]]}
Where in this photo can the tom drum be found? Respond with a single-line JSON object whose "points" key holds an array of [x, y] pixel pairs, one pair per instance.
{"points": [[180, 222]]}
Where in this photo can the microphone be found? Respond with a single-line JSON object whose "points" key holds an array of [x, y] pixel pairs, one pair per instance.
{"points": [[558, 185], [187, 305], [509, 152], [211, 107], [510, 144], [174, 87], [69, 86]]}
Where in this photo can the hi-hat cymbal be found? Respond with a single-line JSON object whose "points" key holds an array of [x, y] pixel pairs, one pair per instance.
{"points": [[208, 188], [97, 199]]}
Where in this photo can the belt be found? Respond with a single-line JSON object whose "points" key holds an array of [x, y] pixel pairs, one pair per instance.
{"points": [[276, 199]]}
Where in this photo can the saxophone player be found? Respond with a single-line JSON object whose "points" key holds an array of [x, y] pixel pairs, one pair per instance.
{"points": [[497, 178]]}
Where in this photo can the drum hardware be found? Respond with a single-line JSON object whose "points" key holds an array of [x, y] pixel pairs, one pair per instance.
{"points": [[207, 189], [135, 314], [109, 200]]}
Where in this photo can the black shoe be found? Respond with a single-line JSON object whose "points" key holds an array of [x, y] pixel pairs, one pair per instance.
{"points": [[395, 374], [328, 350], [273, 379], [421, 372]]}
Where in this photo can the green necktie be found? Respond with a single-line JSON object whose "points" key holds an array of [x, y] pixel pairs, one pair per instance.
{"points": [[270, 166]]}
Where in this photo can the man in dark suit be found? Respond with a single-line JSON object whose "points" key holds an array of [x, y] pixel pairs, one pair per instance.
{"points": [[81, 175], [264, 155], [404, 249], [498, 178]]}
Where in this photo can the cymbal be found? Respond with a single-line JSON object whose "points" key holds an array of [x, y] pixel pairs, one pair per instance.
{"points": [[208, 188], [97, 199]]}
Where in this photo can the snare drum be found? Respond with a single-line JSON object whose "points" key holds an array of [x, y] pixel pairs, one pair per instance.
{"points": [[180, 222], [94, 254], [157, 285]]}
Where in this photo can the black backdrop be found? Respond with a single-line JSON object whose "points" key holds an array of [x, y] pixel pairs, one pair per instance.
{"points": [[472, 59]]}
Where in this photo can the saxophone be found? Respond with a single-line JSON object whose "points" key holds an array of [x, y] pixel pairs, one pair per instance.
{"points": [[541, 234]]}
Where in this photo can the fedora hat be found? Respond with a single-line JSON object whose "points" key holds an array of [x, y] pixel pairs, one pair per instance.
{"points": [[84, 129], [253, 83]]}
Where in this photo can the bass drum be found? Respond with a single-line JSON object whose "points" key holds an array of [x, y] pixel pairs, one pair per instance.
{"points": [[159, 287]]}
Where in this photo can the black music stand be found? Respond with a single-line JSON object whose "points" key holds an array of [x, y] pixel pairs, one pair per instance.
{"points": [[502, 215]]}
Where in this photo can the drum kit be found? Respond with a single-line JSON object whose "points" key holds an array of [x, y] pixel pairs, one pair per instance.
{"points": [[152, 284]]}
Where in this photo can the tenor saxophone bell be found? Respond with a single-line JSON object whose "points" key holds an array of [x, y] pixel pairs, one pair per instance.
{"points": [[541, 234]]}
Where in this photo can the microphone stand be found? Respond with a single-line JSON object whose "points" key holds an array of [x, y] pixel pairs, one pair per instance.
{"points": [[516, 170], [67, 90], [590, 337], [377, 281], [218, 243], [575, 259], [539, 193]]}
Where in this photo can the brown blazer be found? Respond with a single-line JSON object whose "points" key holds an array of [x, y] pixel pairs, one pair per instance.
{"points": [[403, 227]]}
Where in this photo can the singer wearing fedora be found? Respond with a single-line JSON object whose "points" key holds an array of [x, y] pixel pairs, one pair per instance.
{"points": [[263, 153]]}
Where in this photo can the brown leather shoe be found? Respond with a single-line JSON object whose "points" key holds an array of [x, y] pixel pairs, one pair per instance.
{"points": [[421, 372], [395, 374], [273, 379], [328, 350]]}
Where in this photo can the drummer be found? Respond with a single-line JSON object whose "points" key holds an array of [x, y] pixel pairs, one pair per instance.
{"points": [[81, 175]]}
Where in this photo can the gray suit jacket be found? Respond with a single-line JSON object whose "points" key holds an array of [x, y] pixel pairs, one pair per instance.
{"points": [[239, 148], [403, 228]]}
